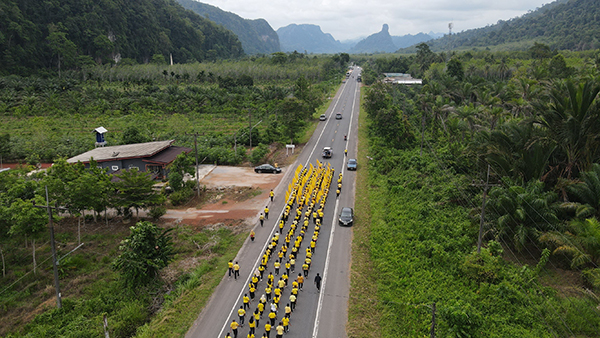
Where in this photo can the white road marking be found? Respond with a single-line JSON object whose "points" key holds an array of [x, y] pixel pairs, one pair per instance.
{"points": [[257, 260], [333, 226]]}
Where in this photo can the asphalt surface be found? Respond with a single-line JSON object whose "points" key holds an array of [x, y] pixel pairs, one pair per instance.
{"points": [[318, 314]]}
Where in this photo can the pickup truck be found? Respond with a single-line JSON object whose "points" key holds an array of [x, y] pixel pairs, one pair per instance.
{"points": [[327, 152]]}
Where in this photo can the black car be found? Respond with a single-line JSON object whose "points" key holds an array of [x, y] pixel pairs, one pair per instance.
{"points": [[346, 216], [352, 164], [267, 168]]}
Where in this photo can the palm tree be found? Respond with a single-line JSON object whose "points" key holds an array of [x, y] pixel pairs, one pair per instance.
{"points": [[587, 193], [522, 211], [581, 242], [573, 120]]}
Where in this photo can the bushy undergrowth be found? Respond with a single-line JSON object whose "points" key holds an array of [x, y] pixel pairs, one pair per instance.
{"points": [[422, 245]]}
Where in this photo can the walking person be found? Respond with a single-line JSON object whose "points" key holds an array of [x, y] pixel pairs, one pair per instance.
{"points": [[236, 270], [261, 218], [252, 325], [293, 299], [280, 330], [266, 212], [234, 327], [242, 315], [300, 281], [271, 194], [230, 266], [286, 324], [267, 329], [318, 282], [252, 234], [246, 301]]}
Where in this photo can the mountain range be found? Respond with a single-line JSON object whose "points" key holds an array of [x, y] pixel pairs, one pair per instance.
{"points": [[256, 36], [562, 25]]}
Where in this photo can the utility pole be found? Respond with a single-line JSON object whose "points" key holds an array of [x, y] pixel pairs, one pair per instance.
{"points": [[196, 151], [485, 190], [250, 126], [53, 245]]}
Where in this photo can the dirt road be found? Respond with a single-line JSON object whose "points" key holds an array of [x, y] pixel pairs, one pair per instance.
{"points": [[238, 195]]}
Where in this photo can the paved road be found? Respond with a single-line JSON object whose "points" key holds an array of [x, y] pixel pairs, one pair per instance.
{"points": [[317, 314]]}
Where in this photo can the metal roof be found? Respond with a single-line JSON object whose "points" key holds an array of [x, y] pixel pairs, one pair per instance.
{"points": [[100, 130], [122, 152], [168, 155]]}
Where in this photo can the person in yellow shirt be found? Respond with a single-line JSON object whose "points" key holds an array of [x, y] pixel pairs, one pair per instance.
{"points": [[236, 270], [271, 194], [267, 329], [281, 283], [228, 335], [234, 328], [252, 234], [242, 315], [251, 325], [277, 265], [286, 324], [256, 316], [288, 311], [230, 266], [272, 317], [267, 212], [280, 330], [300, 281], [262, 219], [293, 299], [246, 301], [261, 308]]}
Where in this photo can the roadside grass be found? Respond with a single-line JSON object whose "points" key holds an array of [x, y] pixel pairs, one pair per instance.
{"points": [[192, 293], [363, 311]]}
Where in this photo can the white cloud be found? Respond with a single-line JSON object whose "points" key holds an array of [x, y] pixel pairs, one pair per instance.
{"points": [[350, 19]]}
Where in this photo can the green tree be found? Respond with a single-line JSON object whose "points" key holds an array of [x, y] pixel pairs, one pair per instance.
{"points": [[522, 211], [133, 135], [146, 251], [587, 193], [455, 69], [572, 120], [183, 164], [581, 242], [134, 189], [5, 147], [62, 47], [279, 58], [28, 221]]}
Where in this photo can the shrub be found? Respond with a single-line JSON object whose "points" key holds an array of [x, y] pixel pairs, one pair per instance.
{"points": [[181, 196], [157, 211], [259, 153]]}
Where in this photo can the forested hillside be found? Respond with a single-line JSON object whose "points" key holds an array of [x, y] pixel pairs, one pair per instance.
{"points": [[563, 24], [70, 34], [257, 36], [499, 145]]}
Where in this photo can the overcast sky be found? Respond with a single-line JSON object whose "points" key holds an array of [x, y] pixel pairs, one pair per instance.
{"points": [[349, 19]]}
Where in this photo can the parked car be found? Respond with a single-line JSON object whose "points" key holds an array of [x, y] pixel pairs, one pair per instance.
{"points": [[327, 152], [323, 117], [352, 164], [338, 116], [267, 168], [346, 216]]}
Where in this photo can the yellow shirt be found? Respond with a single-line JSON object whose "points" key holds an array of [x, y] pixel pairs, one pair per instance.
{"points": [[267, 327], [234, 325], [285, 321], [236, 267], [280, 329], [230, 265], [241, 312]]}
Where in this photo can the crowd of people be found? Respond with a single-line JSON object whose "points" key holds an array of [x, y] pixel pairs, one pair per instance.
{"points": [[306, 198]]}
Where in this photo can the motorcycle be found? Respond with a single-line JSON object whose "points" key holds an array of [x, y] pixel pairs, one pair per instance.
{"points": [[345, 138]]}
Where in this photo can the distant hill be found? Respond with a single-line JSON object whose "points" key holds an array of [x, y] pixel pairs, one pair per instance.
{"points": [[562, 24], [378, 42], [35, 35], [257, 36], [409, 39], [307, 38]]}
